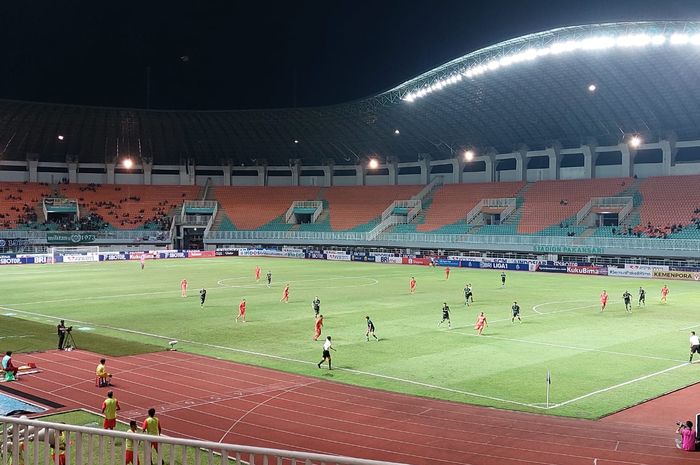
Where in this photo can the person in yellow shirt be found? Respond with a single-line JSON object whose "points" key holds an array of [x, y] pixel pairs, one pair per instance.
{"points": [[103, 377], [58, 439], [129, 445], [109, 410], [151, 425]]}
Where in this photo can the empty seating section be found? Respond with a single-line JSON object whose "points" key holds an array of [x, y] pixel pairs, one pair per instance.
{"points": [[128, 206], [354, 206], [452, 202], [548, 203], [18, 202], [251, 208], [669, 201]]}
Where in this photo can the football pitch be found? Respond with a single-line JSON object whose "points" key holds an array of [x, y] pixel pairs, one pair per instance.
{"points": [[599, 362]]}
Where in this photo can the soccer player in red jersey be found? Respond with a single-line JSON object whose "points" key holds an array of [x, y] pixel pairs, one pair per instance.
{"points": [[183, 287], [664, 293], [257, 274], [285, 294], [480, 323], [319, 325], [412, 285], [447, 273], [241, 311], [603, 300]]}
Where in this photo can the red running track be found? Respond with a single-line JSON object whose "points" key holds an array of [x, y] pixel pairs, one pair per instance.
{"points": [[255, 406]]}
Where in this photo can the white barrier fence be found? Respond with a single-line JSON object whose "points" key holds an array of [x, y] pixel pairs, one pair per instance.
{"points": [[80, 445]]}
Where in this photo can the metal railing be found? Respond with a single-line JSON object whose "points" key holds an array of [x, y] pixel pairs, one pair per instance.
{"points": [[431, 186], [118, 235], [30, 441], [316, 204]]}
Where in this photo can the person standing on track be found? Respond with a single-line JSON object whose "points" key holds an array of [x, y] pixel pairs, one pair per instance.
{"points": [[318, 327], [110, 406], [241, 311], [183, 287], [327, 347], [370, 329]]}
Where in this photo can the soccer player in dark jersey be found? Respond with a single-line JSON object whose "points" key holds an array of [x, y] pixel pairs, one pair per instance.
{"points": [[503, 279], [202, 297], [316, 305], [445, 315], [468, 294], [269, 278], [628, 301], [370, 329], [642, 297], [515, 310]]}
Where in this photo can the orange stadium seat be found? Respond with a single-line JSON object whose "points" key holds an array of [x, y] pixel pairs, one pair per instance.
{"points": [[452, 202], [669, 200], [14, 196]]}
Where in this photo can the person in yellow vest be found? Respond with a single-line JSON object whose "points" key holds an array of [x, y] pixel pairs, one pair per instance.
{"points": [[109, 410], [129, 445], [103, 378], [151, 425], [58, 438]]}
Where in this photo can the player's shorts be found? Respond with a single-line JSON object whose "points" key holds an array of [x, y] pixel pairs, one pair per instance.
{"points": [[326, 354], [516, 312], [61, 458], [627, 301], [129, 458], [467, 296], [695, 349], [370, 329], [109, 424]]}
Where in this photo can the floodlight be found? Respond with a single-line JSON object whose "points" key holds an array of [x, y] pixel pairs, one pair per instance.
{"points": [[373, 163], [128, 163], [60, 137], [635, 141], [680, 39], [296, 141], [468, 155], [397, 132], [658, 39], [592, 88]]}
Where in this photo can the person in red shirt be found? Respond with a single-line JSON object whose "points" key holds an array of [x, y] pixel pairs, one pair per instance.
{"points": [[480, 323], [603, 300], [412, 285], [183, 287], [257, 274], [447, 273], [285, 294], [664, 293], [319, 325], [241, 311]]}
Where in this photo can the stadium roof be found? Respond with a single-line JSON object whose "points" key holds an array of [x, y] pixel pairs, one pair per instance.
{"points": [[529, 91]]}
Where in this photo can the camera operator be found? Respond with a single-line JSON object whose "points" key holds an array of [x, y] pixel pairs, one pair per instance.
{"points": [[687, 439], [61, 331]]}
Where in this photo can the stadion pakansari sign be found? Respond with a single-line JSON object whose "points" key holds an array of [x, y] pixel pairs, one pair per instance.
{"points": [[583, 250], [69, 238]]}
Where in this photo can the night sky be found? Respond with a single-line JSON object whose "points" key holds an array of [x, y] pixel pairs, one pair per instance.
{"points": [[255, 54]]}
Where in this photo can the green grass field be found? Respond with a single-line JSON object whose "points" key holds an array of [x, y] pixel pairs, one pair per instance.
{"points": [[600, 362]]}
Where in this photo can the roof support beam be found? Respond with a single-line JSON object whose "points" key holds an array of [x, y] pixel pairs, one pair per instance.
{"points": [[589, 158]]}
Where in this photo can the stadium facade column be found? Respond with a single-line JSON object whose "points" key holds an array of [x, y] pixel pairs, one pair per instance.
{"points": [[328, 173], [188, 173], [521, 164], [490, 162], [295, 168], [392, 165], [627, 168], [227, 173], [72, 163], [589, 159], [262, 174], [457, 169], [668, 153], [109, 169], [147, 166], [424, 160], [33, 167], [360, 175], [554, 154]]}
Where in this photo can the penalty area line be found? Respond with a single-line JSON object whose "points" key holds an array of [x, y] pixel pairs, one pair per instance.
{"points": [[286, 359]]}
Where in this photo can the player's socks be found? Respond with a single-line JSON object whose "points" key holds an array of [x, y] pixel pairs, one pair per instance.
{"points": [[319, 364]]}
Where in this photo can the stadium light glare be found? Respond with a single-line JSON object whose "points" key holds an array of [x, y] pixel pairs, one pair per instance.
{"points": [[128, 163], [397, 132], [635, 141], [591, 43], [592, 88], [468, 155], [373, 164], [296, 141], [60, 137]]}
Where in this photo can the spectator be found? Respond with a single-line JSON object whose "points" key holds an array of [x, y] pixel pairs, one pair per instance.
{"points": [[687, 436]]}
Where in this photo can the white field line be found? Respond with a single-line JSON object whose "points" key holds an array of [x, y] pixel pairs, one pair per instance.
{"points": [[371, 282], [278, 357], [599, 391], [417, 383]]}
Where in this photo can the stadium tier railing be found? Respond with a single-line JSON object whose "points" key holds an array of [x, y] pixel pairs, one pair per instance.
{"points": [[457, 240], [85, 445], [104, 235]]}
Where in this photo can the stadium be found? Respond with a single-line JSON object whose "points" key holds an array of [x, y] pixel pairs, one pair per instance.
{"points": [[541, 172]]}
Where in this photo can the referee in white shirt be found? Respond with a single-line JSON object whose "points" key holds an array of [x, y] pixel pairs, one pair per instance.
{"points": [[694, 346], [327, 347]]}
